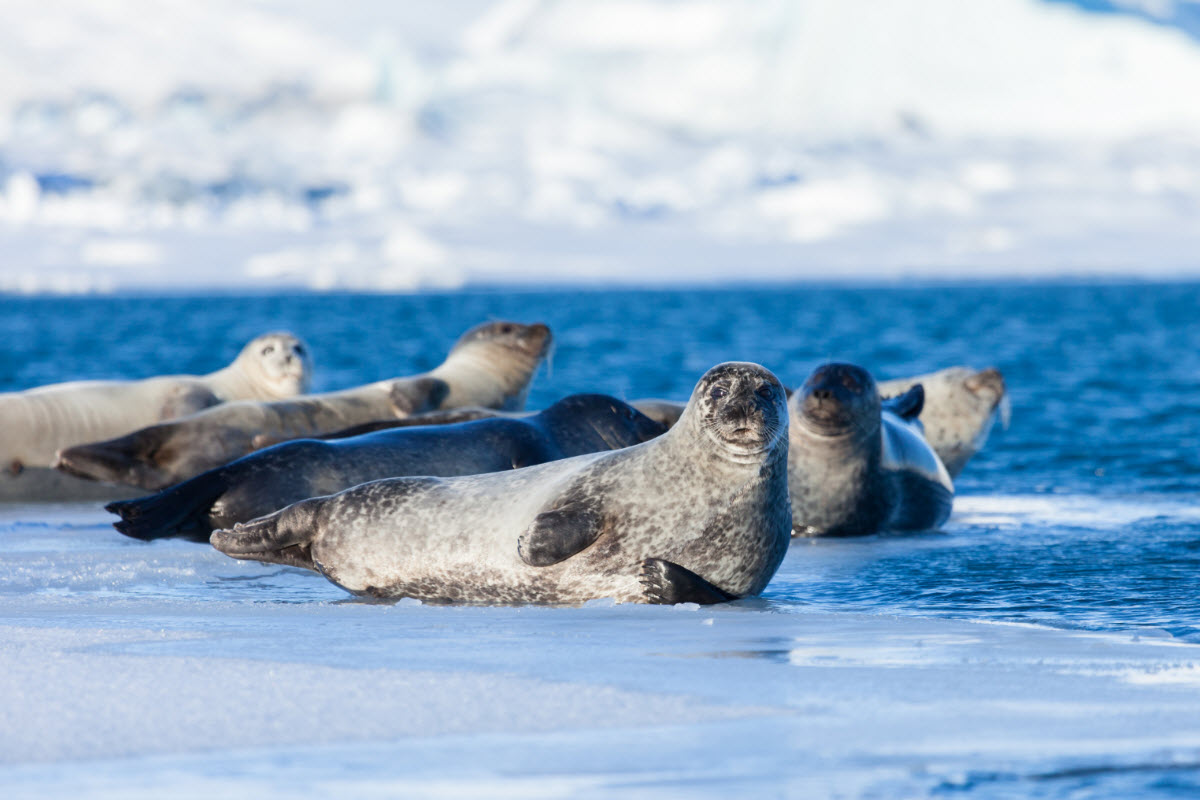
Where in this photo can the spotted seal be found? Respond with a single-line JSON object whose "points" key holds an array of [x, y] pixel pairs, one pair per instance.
{"points": [[961, 407], [38, 422], [490, 365], [699, 514], [269, 479], [855, 467]]}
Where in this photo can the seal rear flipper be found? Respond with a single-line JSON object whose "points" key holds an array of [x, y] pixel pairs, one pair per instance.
{"points": [[416, 395], [182, 401], [123, 460], [179, 511], [667, 583], [560, 533], [907, 406]]}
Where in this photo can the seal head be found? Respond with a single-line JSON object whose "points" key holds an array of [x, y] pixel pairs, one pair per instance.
{"points": [[740, 408], [278, 362], [839, 400]]}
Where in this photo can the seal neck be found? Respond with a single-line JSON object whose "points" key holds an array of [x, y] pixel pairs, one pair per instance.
{"points": [[234, 383], [488, 375]]}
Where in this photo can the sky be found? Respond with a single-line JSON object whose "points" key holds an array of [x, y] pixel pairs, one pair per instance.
{"points": [[381, 147]]}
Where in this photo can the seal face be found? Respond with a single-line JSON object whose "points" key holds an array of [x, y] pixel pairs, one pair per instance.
{"points": [[279, 362], [491, 365], [856, 468], [267, 480], [961, 407], [38, 422], [698, 514]]}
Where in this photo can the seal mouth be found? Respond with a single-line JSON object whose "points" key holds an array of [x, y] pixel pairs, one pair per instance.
{"points": [[744, 441]]}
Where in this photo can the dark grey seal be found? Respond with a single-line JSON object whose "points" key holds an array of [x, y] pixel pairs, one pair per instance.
{"points": [[266, 481], [699, 514], [855, 467]]}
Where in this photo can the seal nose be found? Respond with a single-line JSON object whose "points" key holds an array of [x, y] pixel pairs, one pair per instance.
{"points": [[990, 378]]}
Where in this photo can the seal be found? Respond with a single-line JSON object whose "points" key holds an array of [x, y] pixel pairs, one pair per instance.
{"points": [[855, 467], [38, 422], [699, 514], [961, 407], [267, 480], [490, 365]]}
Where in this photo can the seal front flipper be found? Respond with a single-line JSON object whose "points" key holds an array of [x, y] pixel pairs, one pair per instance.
{"points": [[667, 583], [907, 406], [416, 395], [560, 533], [182, 401], [285, 537]]}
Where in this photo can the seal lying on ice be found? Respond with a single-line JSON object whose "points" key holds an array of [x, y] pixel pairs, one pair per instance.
{"points": [[266, 481], [699, 514], [490, 365], [37, 423], [961, 406], [855, 468]]}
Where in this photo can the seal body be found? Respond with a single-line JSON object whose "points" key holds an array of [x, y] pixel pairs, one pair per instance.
{"points": [[698, 514], [491, 365], [961, 407], [856, 468], [268, 480], [37, 423]]}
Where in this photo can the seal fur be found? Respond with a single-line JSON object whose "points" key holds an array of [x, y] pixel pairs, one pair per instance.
{"points": [[857, 468], [699, 514], [38, 422], [269, 479], [961, 407], [490, 365]]}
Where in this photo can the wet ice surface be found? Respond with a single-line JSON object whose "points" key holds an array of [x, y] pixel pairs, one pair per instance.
{"points": [[133, 669]]}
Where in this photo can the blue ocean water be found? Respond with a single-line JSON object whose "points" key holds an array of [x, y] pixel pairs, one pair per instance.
{"points": [[1083, 513]]}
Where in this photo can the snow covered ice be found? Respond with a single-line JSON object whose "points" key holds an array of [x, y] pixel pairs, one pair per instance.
{"points": [[149, 670]]}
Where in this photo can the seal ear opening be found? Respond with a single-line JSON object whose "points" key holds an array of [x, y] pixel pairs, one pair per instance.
{"points": [[909, 405]]}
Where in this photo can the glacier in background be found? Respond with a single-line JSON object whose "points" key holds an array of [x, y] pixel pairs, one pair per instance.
{"points": [[387, 147]]}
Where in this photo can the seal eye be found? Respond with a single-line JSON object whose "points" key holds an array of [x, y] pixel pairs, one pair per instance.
{"points": [[851, 384], [764, 391], [506, 328], [299, 349], [266, 351], [718, 392]]}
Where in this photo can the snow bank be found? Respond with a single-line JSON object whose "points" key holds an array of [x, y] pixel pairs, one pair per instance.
{"points": [[268, 143]]}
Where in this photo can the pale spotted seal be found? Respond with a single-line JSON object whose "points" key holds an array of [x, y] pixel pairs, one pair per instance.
{"points": [[961, 406], [268, 480], [699, 514], [490, 365], [37, 423], [855, 468]]}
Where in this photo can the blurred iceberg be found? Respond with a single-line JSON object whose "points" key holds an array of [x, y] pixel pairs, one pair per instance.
{"points": [[386, 147]]}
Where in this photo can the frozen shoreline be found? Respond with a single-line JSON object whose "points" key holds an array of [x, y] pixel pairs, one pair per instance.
{"points": [[131, 670]]}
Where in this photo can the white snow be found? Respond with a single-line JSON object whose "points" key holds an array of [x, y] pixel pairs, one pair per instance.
{"points": [[148, 670], [391, 147]]}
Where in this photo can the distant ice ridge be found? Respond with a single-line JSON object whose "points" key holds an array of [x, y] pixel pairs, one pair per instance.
{"points": [[378, 147]]}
